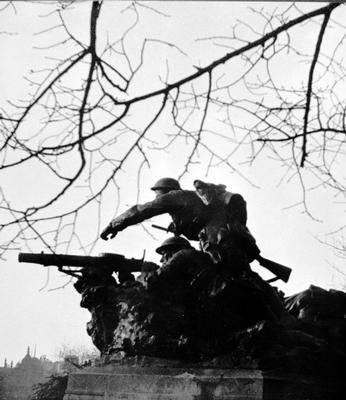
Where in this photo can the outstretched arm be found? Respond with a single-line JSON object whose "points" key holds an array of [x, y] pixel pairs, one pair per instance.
{"points": [[138, 213]]}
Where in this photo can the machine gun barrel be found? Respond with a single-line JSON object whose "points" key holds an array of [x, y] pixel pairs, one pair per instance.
{"points": [[117, 261]]}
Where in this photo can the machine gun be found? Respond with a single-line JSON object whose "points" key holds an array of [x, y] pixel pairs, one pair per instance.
{"points": [[104, 263], [280, 271], [111, 260]]}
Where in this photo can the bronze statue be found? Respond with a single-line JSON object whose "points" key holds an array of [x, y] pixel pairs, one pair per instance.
{"points": [[198, 305], [210, 214]]}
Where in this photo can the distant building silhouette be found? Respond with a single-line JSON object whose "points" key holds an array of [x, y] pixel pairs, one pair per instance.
{"points": [[17, 382]]}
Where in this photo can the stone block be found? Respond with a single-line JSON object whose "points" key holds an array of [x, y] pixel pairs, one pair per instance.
{"points": [[166, 384]]}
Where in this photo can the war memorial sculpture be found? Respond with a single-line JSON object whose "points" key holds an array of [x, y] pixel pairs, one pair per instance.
{"points": [[202, 325]]}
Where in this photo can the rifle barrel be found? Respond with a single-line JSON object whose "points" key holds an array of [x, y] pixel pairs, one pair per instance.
{"points": [[281, 271], [161, 228]]}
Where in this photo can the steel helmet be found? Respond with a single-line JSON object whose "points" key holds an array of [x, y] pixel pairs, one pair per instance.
{"points": [[166, 183], [176, 242]]}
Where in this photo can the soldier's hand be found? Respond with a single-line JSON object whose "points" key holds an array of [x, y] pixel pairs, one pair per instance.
{"points": [[108, 233], [171, 227], [149, 266], [150, 279]]}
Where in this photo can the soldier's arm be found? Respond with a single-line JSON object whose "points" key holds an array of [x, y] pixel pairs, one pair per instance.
{"points": [[139, 213]]}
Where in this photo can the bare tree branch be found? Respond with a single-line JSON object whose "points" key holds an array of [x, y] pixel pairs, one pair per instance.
{"points": [[310, 82], [91, 111]]}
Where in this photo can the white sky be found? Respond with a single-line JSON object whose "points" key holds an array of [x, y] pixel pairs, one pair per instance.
{"points": [[50, 318]]}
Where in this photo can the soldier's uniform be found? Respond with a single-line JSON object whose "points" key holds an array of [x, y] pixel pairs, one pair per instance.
{"points": [[182, 281], [227, 239], [188, 213], [225, 235], [175, 279]]}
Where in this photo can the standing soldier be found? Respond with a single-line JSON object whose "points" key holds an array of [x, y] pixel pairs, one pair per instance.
{"points": [[187, 210]]}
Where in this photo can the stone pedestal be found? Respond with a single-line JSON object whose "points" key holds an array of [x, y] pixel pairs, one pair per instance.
{"points": [[156, 383], [136, 383]]}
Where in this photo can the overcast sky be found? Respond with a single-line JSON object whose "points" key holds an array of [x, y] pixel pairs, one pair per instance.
{"points": [[50, 318]]}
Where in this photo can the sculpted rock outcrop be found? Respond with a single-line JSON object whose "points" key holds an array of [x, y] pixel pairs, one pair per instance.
{"points": [[225, 322]]}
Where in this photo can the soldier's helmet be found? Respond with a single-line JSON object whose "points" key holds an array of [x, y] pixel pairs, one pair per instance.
{"points": [[173, 243], [166, 183]]}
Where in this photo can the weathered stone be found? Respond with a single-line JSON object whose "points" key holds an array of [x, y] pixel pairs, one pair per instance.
{"points": [[191, 383], [166, 383]]}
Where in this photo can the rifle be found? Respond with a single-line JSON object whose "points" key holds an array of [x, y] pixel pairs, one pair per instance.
{"points": [[275, 268], [116, 262], [280, 271]]}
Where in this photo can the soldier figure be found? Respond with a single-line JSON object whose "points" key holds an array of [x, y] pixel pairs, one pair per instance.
{"points": [[181, 266], [225, 235], [186, 209]]}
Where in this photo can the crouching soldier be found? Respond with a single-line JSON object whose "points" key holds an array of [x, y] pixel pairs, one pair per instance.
{"points": [[181, 266]]}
